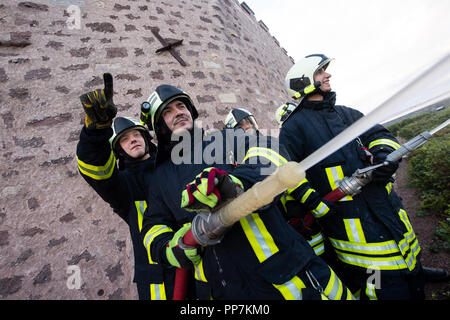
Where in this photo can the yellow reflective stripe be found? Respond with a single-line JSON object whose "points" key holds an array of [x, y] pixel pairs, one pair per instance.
{"points": [[269, 154], [321, 210], [383, 263], [389, 187], [334, 288], [145, 115], [357, 294], [354, 230], [319, 249], [288, 197], [199, 272], [370, 291], [413, 252], [317, 243], [387, 142], [373, 248], [350, 295], [316, 239], [283, 201], [268, 157], [306, 195], [405, 219], [334, 175], [259, 238], [157, 291], [140, 208], [289, 191], [292, 289], [155, 231], [98, 172], [409, 243]]}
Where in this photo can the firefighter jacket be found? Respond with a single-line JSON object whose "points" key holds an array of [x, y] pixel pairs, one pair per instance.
{"points": [[291, 208], [371, 229], [125, 190], [259, 257]]}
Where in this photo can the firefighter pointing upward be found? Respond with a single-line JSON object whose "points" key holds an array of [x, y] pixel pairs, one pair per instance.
{"points": [[370, 231], [103, 140]]}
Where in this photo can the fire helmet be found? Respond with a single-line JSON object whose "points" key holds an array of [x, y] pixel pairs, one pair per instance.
{"points": [[238, 114], [300, 77], [161, 97], [122, 125], [284, 111]]}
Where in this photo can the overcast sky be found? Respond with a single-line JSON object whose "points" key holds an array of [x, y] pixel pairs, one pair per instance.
{"points": [[377, 44]]}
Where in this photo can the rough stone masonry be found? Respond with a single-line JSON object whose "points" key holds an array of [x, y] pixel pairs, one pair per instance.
{"points": [[50, 220]]}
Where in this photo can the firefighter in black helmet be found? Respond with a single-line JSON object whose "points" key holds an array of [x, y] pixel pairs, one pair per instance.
{"points": [[105, 139], [130, 141], [178, 107], [257, 258]]}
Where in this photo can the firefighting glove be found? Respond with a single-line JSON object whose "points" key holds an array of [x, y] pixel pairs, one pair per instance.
{"points": [[383, 174], [99, 106], [179, 254], [210, 189]]}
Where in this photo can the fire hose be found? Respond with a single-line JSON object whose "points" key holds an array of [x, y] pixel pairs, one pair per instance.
{"points": [[209, 229], [351, 186]]}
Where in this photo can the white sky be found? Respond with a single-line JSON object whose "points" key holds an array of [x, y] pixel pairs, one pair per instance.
{"points": [[378, 45]]}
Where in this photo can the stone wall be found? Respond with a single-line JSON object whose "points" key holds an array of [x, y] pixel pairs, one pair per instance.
{"points": [[49, 218]]}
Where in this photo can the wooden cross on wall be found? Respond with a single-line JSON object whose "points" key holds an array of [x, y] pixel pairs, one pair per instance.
{"points": [[168, 46]]}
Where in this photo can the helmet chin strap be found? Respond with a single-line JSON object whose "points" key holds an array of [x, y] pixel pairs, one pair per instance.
{"points": [[319, 92]]}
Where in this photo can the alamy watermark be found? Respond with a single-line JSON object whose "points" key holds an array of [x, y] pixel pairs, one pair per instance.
{"points": [[74, 19], [226, 147], [74, 277], [373, 282], [375, 277]]}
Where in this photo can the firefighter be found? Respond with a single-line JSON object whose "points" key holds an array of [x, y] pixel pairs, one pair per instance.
{"points": [[103, 141], [260, 257], [242, 121], [378, 252], [291, 209]]}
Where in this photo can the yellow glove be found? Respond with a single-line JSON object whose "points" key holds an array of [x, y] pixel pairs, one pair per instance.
{"points": [[99, 106]]}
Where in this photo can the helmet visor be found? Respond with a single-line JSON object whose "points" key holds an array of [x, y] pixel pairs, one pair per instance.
{"points": [[323, 65]]}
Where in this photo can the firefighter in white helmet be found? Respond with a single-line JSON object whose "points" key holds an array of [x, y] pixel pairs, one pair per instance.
{"points": [[370, 232]]}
